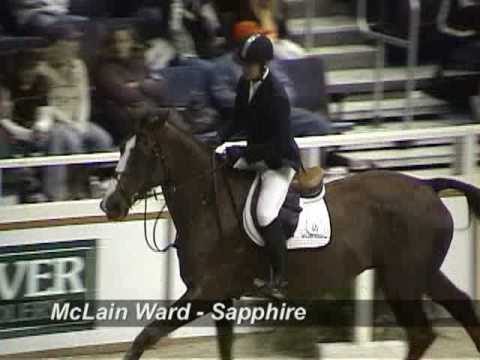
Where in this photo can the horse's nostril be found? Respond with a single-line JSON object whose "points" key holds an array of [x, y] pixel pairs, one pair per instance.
{"points": [[113, 207]]}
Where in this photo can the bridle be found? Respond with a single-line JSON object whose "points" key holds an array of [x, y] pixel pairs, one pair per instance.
{"points": [[169, 186]]}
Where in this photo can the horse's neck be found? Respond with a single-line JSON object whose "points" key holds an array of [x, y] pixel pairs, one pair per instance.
{"points": [[207, 224], [190, 168], [186, 156], [186, 163]]}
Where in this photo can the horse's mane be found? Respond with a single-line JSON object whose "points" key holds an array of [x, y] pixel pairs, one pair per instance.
{"points": [[177, 122]]}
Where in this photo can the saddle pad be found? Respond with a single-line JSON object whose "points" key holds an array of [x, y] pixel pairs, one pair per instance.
{"points": [[313, 230]]}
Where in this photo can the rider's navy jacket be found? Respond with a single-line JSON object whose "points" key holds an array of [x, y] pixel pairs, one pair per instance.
{"points": [[266, 122]]}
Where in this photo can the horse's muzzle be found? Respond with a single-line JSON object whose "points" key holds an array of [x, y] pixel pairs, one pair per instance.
{"points": [[114, 207]]}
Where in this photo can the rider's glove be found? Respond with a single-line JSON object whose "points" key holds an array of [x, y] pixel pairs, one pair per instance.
{"points": [[258, 152]]}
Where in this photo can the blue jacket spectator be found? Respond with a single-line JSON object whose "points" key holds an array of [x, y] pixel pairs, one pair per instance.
{"points": [[224, 82]]}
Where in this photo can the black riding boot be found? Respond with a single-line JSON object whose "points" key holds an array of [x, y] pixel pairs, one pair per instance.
{"points": [[276, 245]]}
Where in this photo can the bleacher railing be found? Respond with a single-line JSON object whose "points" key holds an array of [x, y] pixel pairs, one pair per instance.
{"points": [[411, 44], [464, 135]]}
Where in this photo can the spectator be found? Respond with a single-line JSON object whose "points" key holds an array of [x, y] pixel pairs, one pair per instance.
{"points": [[19, 114], [18, 140], [7, 140], [124, 85], [227, 74], [28, 87], [18, 121], [202, 22], [36, 17], [68, 111]]}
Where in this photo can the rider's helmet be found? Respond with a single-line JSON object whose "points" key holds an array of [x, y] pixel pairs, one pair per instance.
{"points": [[257, 48]]}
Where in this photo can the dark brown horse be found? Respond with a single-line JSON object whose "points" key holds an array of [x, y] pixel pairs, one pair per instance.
{"points": [[384, 220]]}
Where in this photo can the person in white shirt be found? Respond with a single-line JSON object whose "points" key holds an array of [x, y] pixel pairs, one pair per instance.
{"points": [[68, 110]]}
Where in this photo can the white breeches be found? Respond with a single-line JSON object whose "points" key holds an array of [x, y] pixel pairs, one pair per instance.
{"points": [[274, 189]]}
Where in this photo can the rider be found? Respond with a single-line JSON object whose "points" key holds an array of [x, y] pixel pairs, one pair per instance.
{"points": [[262, 111]]}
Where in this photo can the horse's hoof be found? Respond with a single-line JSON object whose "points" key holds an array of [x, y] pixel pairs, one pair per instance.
{"points": [[420, 345], [131, 355]]}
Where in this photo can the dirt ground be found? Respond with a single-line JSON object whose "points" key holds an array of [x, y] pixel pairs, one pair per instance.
{"points": [[452, 343]]}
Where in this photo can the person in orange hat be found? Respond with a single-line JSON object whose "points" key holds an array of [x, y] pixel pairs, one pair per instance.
{"points": [[243, 29]]}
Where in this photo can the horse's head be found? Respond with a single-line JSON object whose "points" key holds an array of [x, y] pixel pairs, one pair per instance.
{"points": [[139, 168]]}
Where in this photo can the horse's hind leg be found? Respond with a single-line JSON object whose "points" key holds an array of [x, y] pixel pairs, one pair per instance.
{"points": [[404, 293], [458, 304], [411, 316], [225, 335]]}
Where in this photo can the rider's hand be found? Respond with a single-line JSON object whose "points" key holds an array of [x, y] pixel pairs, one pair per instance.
{"points": [[256, 153], [234, 153]]}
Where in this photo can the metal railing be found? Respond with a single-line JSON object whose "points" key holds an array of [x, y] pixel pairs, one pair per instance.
{"points": [[309, 36], [366, 138], [411, 44]]}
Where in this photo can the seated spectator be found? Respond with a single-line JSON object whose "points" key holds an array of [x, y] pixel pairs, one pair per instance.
{"points": [[28, 87], [36, 17], [7, 139], [201, 20], [124, 85], [68, 111], [16, 139], [27, 92], [20, 108], [227, 74]]}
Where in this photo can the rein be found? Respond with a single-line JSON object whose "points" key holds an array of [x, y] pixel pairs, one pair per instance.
{"points": [[169, 186]]}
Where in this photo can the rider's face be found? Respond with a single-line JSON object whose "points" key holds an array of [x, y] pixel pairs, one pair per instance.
{"points": [[252, 71]]}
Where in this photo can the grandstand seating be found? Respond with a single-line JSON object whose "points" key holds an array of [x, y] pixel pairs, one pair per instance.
{"points": [[336, 78], [307, 75]]}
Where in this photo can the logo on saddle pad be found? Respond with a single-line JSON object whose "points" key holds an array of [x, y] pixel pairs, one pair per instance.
{"points": [[313, 229]]}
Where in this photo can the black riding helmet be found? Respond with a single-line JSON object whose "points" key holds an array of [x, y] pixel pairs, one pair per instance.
{"points": [[257, 48]]}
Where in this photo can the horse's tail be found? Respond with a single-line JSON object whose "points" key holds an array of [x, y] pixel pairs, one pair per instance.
{"points": [[471, 192]]}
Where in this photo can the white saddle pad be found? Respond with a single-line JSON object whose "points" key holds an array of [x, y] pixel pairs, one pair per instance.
{"points": [[313, 228]]}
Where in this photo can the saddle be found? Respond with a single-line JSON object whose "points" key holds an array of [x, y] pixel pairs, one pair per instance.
{"points": [[309, 182], [304, 215]]}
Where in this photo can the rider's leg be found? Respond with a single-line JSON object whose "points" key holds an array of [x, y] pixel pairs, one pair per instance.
{"points": [[276, 245], [274, 189]]}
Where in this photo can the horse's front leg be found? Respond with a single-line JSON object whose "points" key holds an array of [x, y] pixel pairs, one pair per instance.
{"points": [[160, 328], [225, 335]]}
